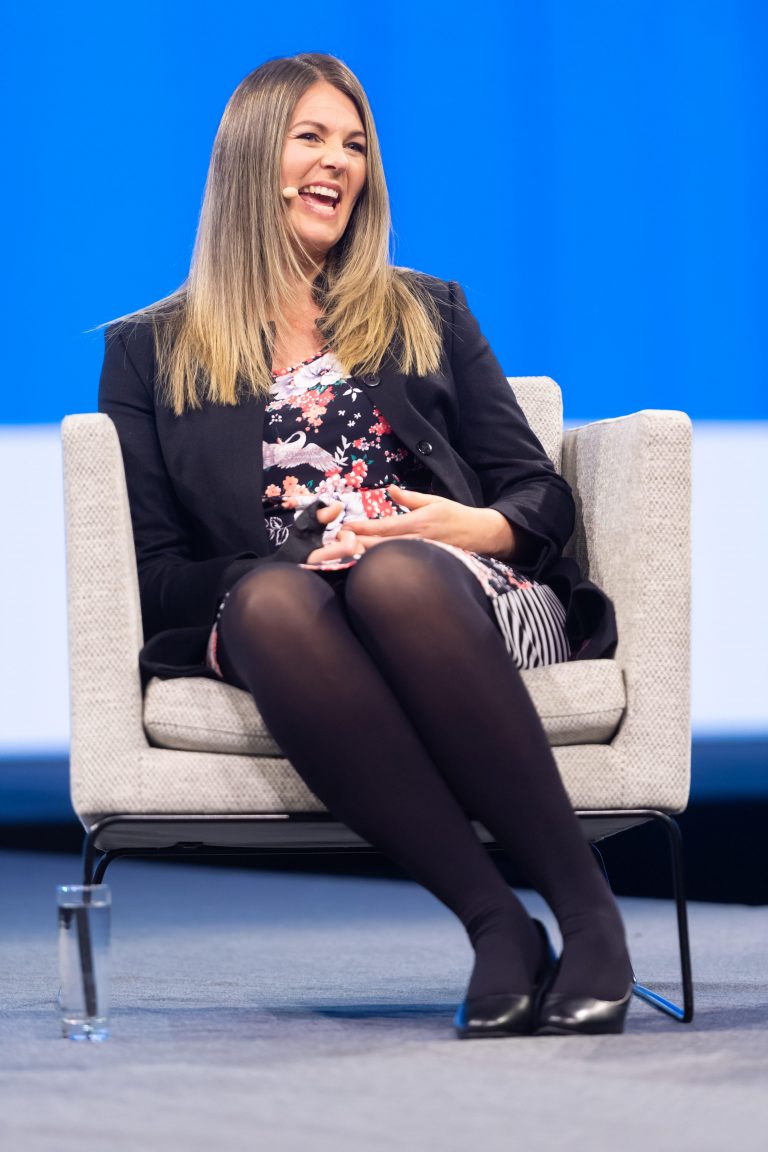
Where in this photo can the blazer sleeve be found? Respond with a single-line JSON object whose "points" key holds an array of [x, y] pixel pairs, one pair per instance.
{"points": [[517, 477], [176, 588]]}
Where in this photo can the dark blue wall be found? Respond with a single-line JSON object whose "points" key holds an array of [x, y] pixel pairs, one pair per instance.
{"points": [[593, 172]]}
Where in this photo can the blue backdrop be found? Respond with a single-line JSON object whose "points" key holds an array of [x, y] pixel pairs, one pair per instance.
{"points": [[593, 172]]}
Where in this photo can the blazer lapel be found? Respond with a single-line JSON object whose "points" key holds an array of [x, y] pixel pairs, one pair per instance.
{"points": [[390, 392]]}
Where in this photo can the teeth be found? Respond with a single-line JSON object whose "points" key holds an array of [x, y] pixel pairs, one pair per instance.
{"points": [[321, 190]]}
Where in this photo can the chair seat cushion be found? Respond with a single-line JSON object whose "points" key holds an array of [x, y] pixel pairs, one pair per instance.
{"points": [[579, 703]]}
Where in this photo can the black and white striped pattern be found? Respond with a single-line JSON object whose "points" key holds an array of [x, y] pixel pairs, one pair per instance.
{"points": [[530, 617], [532, 621]]}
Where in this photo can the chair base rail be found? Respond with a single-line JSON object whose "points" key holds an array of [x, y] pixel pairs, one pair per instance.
{"points": [[684, 1012], [221, 834]]}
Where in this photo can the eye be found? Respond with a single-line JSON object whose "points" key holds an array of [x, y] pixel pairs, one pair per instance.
{"points": [[308, 136], [361, 148]]}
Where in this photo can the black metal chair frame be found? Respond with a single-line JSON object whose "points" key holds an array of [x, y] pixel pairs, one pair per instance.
{"points": [[322, 835]]}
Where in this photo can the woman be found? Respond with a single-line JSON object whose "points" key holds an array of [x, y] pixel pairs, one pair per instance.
{"points": [[326, 464]]}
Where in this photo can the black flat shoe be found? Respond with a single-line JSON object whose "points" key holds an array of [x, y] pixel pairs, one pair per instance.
{"points": [[562, 1015], [507, 1014]]}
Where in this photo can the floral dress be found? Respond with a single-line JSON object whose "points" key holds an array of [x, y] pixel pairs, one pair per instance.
{"points": [[323, 439]]}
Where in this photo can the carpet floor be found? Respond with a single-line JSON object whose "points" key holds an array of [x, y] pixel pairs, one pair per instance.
{"points": [[296, 1012]]}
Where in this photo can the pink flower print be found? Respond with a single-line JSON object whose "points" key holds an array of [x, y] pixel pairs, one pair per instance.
{"points": [[382, 426], [293, 491], [272, 490], [376, 503], [357, 474], [313, 406], [333, 486]]}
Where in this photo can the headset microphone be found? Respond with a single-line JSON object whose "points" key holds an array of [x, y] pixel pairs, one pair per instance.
{"points": [[289, 193]]}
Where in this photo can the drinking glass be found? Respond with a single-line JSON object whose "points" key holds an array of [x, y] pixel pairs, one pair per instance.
{"points": [[84, 922]]}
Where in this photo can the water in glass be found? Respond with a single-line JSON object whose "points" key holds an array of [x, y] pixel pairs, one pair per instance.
{"points": [[84, 927]]}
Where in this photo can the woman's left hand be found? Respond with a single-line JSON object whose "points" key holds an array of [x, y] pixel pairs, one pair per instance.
{"points": [[430, 517]]}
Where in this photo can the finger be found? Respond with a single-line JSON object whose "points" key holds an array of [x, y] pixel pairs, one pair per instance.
{"points": [[345, 544], [327, 552], [329, 512], [411, 499], [347, 540], [336, 551], [366, 542], [386, 526]]}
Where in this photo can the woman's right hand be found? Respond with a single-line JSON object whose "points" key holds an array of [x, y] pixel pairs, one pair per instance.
{"points": [[346, 545]]}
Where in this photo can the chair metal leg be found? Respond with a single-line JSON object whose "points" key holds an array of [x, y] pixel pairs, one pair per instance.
{"points": [[674, 839], [106, 860], [684, 1014], [89, 856], [611, 820]]}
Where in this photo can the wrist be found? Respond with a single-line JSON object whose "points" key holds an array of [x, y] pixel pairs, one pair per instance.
{"points": [[497, 534]]}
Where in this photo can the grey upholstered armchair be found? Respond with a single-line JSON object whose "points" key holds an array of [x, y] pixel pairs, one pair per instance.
{"points": [[191, 763]]}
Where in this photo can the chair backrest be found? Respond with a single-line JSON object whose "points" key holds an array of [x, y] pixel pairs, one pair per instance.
{"points": [[542, 402], [105, 631], [631, 479]]}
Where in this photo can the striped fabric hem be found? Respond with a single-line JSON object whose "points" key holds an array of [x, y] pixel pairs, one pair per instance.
{"points": [[532, 624], [529, 616]]}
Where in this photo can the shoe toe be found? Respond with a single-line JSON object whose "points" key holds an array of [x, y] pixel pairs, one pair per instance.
{"points": [[563, 1015], [500, 1015]]}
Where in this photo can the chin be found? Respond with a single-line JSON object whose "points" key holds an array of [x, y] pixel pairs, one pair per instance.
{"points": [[319, 247]]}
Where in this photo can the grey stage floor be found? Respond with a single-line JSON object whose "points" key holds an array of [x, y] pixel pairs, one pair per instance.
{"points": [[268, 1011]]}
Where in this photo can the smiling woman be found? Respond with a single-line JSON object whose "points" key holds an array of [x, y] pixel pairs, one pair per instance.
{"points": [[262, 258], [324, 159], [335, 499], [326, 162]]}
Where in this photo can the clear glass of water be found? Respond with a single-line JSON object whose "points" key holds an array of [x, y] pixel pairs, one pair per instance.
{"points": [[84, 924]]}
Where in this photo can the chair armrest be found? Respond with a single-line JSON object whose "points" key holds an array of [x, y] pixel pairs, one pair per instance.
{"points": [[105, 632], [542, 401], [631, 479]]}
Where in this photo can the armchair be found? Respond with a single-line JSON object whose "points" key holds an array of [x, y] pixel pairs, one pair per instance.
{"points": [[189, 765]]}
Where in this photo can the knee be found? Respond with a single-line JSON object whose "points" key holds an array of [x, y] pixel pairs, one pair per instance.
{"points": [[271, 599], [391, 576]]}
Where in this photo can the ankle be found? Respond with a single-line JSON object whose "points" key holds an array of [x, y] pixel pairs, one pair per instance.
{"points": [[603, 922], [508, 952], [595, 960]]}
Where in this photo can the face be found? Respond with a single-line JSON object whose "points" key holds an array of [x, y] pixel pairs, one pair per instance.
{"points": [[324, 157]]}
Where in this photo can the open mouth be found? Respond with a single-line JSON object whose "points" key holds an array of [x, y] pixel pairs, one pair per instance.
{"points": [[323, 200]]}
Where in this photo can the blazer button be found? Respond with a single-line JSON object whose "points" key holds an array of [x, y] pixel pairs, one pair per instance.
{"points": [[424, 447], [371, 381]]}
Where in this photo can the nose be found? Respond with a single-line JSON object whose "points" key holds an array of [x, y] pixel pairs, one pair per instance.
{"points": [[335, 156]]}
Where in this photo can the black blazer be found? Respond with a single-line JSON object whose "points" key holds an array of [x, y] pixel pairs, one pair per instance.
{"points": [[195, 480]]}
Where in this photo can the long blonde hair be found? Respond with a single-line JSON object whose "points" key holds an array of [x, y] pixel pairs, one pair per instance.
{"points": [[213, 335]]}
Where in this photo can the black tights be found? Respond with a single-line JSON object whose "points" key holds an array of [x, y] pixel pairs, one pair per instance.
{"points": [[396, 701]]}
